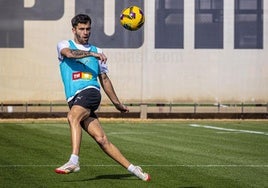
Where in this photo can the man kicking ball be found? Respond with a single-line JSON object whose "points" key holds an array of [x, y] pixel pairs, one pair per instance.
{"points": [[81, 65]]}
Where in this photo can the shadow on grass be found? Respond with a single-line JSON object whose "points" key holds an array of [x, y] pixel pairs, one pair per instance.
{"points": [[109, 176], [119, 177]]}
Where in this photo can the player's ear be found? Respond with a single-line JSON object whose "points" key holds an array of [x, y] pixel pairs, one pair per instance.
{"points": [[73, 29]]}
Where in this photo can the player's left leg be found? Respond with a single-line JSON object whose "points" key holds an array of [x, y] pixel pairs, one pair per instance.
{"points": [[93, 128]]}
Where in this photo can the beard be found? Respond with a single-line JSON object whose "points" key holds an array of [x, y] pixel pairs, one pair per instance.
{"points": [[81, 39]]}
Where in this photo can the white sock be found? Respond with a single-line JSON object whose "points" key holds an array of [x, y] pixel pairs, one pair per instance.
{"points": [[131, 168], [74, 159]]}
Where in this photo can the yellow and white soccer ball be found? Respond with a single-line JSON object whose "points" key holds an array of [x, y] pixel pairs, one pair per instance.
{"points": [[132, 18]]}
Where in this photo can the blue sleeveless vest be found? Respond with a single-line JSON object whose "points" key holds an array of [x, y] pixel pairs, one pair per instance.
{"points": [[78, 74]]}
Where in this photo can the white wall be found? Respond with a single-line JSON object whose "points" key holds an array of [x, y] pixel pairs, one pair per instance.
{"points": [[145, 74]]}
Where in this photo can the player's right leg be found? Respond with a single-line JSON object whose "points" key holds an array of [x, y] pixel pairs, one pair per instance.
{"points": [[75, 116], [67, 168]]}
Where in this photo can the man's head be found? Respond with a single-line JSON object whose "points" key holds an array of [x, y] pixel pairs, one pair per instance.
{"points": [[80, 18], [81, 24]]}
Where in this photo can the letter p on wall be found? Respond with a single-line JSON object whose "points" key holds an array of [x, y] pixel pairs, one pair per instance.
{"points": [[13, 13]]}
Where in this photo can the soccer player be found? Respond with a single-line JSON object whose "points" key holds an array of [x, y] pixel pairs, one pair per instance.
{"points": [[81, 65]]}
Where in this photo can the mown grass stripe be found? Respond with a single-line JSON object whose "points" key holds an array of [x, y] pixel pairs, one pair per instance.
{"points": [[148, 165]]}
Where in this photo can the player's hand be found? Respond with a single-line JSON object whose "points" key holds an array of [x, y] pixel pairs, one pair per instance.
{"points": [[122, 108], [101, 56]]}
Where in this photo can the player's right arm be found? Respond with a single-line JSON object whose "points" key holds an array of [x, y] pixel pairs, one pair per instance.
{"points": [[65, 51], [76, 54]]}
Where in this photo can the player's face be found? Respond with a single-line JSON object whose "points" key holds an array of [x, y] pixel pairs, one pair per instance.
{"points": [[82, 33]]}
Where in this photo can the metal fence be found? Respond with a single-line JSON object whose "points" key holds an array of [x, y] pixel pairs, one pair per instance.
{"points": [[144, 110]]}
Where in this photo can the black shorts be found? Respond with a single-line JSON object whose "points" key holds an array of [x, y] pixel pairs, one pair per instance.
{"points": [[89, 98]]}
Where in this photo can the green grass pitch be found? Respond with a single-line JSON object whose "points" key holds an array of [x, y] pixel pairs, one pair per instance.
{"points": [[179, 154]]}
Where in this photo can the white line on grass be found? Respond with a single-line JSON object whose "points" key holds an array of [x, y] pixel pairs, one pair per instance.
{"points": [[209, 165], [151, 165], [130, 133], [231, 130]]}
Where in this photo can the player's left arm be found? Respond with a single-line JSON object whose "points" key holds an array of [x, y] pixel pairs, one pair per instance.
{"points": [[110, 92]]}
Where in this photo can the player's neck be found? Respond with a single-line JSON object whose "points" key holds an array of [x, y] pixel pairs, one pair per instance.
{"points": [[79, 43]]}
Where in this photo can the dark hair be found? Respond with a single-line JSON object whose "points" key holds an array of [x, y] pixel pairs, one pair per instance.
{"points": [[80, 18]]}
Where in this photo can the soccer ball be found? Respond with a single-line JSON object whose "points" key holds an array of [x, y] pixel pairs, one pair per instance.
{"points": [[132, 18]]}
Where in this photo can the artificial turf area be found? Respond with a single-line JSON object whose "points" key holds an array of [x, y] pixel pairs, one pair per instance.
{"points": [[176, 153]]}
